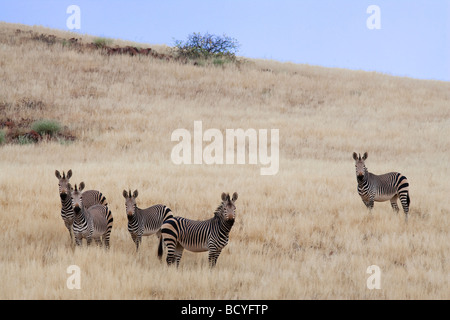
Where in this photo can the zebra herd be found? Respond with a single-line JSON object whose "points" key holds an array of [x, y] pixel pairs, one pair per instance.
{"points": [[86, 215]]}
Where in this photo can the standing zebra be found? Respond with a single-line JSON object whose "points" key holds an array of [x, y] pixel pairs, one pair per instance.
{"points": [[90, 223], [389, 186], [144, 222], [198, 236], [90, 198]]}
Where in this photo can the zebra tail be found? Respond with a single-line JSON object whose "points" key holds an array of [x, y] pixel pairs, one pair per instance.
{"points": [[160, 247]]}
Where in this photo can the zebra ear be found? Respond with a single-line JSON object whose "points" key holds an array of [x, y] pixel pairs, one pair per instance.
{"points": [[81, 186], [57, 174], [355, 156], [365, 156], [235, 196], [224, 196], [125, 194], [135, 194], [69, 173]]}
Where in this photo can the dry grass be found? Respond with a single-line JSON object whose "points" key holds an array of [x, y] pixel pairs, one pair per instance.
{"points": [[301, 234]]}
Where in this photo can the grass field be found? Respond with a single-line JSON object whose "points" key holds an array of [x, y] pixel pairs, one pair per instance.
{"points": [[303, 233]]}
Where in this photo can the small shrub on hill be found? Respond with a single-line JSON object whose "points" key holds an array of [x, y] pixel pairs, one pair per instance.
{"points": [[218, 49], [48, 127]]}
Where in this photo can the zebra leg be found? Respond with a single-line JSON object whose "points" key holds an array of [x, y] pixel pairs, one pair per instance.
{"points": [[106, 237], [136, 240], [71, 234], [213, 256], [178, 253], [88, 240], [394, 203], [170, 259], [160, 246], [405, 201], [98, 241], [78, 240], [369, 204]]}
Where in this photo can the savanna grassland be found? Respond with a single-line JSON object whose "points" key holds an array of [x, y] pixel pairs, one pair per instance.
{"points": [[303, 233]]}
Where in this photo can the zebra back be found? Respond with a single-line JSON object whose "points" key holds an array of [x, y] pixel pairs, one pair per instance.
{"points": [[197, 235], [149, 220], [192, 234], [100, 217], [93, 197]]}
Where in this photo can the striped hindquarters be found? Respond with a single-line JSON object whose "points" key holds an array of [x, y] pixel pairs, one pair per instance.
{"points": [[403, 191], [101, 222], [402, 183], [93, 197], [390, 184]]}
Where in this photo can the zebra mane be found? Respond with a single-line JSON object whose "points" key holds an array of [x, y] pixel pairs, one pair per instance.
{"points": [[219, 210]]}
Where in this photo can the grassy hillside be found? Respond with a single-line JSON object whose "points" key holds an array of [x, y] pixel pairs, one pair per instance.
{"points": [[303, 233]]}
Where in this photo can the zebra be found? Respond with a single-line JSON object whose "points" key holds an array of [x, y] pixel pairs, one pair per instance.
{"points": [[389, 186], [198, 236], [144, 222], [91, 197], [90, 223]]}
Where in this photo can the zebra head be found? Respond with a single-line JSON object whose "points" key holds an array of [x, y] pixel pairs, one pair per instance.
{"points": [[228, 207], [130, 202], [77, 199], [360, 166], [63, 183]]}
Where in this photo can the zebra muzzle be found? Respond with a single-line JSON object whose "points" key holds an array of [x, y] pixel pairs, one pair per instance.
{"points": [[63, 196], [77, 209]]}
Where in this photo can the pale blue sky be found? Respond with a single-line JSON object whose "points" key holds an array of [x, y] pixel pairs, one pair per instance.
{"points": [[414, 39]]}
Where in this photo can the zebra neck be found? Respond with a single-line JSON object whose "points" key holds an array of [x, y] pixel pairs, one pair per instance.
{"points": [[67, 203], [224, 225], [133, 219], [80, 218], [364, 180]]}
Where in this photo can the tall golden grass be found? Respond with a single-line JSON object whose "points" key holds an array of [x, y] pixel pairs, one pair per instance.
{"points": [[303, 233]]}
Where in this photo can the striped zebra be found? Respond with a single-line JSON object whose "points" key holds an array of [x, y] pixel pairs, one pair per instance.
{"points": [[90, 197], [198, 236], [389, 186], [90, 223], [144, 222]]}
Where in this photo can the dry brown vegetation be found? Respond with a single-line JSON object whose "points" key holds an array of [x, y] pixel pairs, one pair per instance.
{"points": [[301, 234]]}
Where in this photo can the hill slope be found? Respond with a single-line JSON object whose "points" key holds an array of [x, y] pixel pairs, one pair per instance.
{"points": [[302, 233]]}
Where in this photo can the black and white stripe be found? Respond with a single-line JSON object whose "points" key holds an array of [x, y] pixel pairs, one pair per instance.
{"points": [[390, 186], [90, 223], [91, 197], [144, 222], [198, 236]]}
